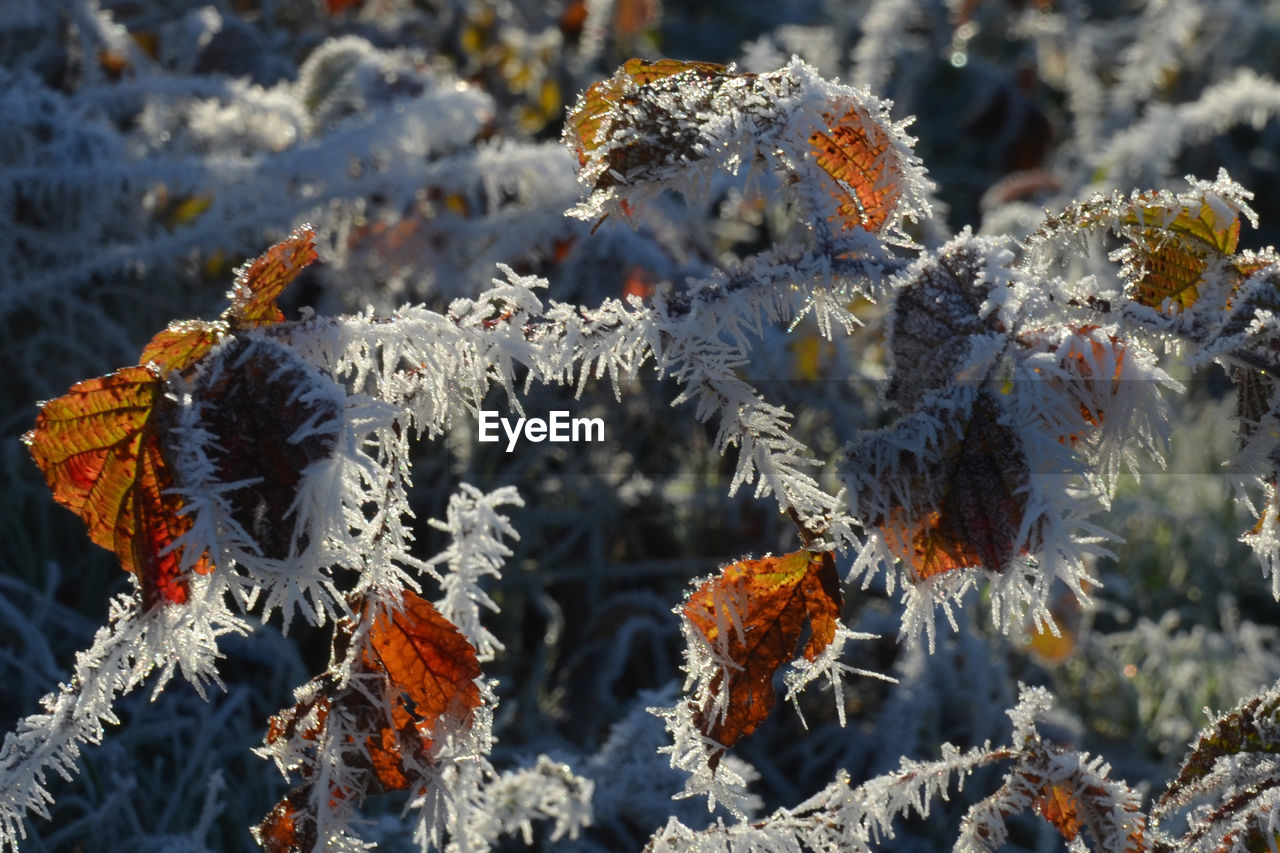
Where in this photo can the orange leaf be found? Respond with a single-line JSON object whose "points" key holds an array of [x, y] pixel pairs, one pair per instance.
{"points": [[288, 828], [639, 283], [182, 344], [634, 17], [1081, 364], [99, 448], [100, 445], [773, 599], [253, 300], [1074, 804], [852, 151], [1170, 247], [427, 659], [429, 669], [573, 19], [1166, 272], [1050, 647], [1057, 803], [1083, 353]]}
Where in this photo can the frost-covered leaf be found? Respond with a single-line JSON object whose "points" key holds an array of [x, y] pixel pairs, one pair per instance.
{"points": [[260, 403], [427, 662], [369, 723], [253, 304], [670, 124], [1249, 728], [855, 151], [938, 312], [1091, 365], [1229, 782], [958, 502], [1058, 805], [1171, 244], [286, 828], [626, 128], [753, 615], [1171, 238], [1070, 790], [102, 448]]}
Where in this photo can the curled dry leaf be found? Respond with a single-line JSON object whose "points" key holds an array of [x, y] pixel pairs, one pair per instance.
{"points": [[288, 827], [621, 128], [754, 614], [259, 285], [253, 304]]}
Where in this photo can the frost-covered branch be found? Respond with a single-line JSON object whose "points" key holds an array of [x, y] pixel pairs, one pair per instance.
{"points": [[124, 654], [475, 552]]}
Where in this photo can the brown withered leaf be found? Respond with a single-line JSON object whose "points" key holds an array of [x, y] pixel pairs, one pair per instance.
{"points": [[1074, 794], [254, 407], [935, 316], [962, 505], [774, 599]]}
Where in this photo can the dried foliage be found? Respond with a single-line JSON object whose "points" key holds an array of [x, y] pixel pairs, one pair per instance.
{"points": [[932, 423]]}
